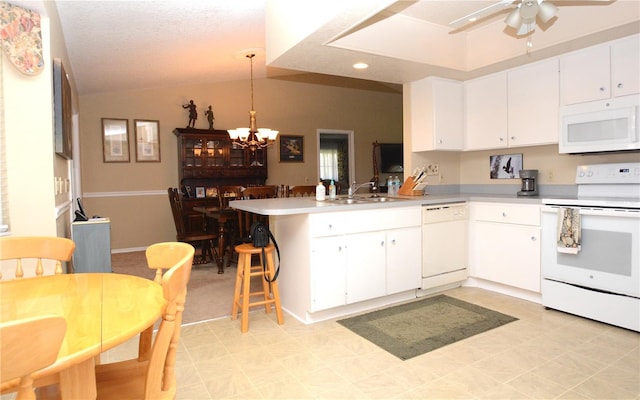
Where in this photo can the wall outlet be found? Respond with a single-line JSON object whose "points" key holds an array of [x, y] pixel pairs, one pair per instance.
{"points": [[433, 170]]}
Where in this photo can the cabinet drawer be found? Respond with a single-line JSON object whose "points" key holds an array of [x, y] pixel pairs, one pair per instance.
{"points": [[327, 224], [507, 213]]}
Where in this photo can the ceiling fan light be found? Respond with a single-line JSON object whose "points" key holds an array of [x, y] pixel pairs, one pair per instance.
{"points": [[514, 19], [529, 9], [526, 28], [547, 11]]}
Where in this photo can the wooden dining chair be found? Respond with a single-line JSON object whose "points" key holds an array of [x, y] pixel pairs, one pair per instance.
{"points": [[245, 218], [160, 257], [27, 346], [205, 240], [154, 378], [32, 250], [302, 191]]}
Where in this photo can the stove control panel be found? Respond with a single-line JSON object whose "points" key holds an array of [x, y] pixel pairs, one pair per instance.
{"points": [[617, 173]]}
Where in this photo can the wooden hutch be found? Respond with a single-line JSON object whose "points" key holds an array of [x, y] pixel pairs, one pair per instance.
{"points": [[207, 159]]}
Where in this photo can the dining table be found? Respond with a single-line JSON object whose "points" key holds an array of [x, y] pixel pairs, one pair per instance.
{"points": [[223, 216], [102, 310]]}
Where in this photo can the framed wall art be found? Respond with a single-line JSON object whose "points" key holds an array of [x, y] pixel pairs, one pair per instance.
{"points": [[62, 110], [115, 140], [291, 148], [147, 140], [505, 166]]}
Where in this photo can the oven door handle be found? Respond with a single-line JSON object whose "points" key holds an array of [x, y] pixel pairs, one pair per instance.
{"points": [[601, 212]]}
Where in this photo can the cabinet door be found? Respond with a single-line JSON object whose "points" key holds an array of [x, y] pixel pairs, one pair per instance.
{"points": [[585, 75], [486, 112], [328, 272], [625, 64], [403, 260], [534, 96], [507, 254], [366, 272], [435, 112]]}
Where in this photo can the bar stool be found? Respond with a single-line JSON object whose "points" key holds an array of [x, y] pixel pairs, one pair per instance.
{"points": [[242, 295]]}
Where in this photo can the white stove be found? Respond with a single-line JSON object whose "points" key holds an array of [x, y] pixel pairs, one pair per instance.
{"points": [[596, 273], [605, 185]]}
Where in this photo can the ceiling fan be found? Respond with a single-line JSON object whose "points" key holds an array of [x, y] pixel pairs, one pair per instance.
{"points": [[524, 15]]}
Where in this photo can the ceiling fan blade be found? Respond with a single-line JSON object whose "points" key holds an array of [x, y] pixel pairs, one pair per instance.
{"points": [[481, 13]]}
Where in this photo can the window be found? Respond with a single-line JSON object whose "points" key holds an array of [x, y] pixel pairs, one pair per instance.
{"points": [[329, 161]]}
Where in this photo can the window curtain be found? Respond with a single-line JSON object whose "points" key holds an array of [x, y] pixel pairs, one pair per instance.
{"points": [[329, 162]]}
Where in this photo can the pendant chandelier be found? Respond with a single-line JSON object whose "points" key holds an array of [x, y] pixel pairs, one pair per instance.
{"points": [[252, 137]]}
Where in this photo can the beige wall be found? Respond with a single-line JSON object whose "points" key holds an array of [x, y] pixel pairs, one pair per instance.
{"points": [[473, 167], [133, 195]]}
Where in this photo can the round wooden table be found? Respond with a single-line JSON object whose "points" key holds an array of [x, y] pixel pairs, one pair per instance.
{"points": [[102, 310]]}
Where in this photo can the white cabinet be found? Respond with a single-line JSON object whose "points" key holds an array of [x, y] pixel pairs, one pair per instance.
{"points": [[533, 104], [515, 108], [601, 72], [403, 259], [505, 244], [362, 255], [486, 112], [366, 271], [328, 272], [435, 114]]}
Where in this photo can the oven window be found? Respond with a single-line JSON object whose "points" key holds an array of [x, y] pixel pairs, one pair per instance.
{"points": [[603, 251]]}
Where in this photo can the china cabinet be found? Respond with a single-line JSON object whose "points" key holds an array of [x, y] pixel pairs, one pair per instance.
{"points": [[208, 159]]}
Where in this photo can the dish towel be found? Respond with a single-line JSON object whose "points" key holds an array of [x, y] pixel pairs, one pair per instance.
{"points": [[569, 238]]}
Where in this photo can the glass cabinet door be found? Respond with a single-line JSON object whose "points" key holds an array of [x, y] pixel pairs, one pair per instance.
{"points": [[257, 158], [192, 153], [236, 155], [214, 154]]}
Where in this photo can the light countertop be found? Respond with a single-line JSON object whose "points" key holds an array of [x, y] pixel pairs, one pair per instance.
{"points": [[307, 205]]}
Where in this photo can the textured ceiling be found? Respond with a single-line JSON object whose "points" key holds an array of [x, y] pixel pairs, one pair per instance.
{"points": [[133, 44]]}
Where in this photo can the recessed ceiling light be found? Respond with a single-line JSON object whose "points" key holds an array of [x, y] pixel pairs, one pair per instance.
{"points": [[473, 19], [360, 65]]}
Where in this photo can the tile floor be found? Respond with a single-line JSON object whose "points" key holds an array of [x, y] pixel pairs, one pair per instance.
{"points": [[544, 355]]}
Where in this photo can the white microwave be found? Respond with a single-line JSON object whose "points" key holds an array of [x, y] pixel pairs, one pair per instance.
{"points": [[600, 126]]}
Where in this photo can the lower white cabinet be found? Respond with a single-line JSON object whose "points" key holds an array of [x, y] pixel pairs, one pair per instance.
{"points": [[377, 253], [505, 244]]}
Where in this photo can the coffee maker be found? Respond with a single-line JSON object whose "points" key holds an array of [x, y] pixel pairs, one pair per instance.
{"points": [[529, 184]]}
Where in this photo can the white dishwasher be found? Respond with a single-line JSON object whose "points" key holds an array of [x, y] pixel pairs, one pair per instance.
{"points": [[444, 246]]}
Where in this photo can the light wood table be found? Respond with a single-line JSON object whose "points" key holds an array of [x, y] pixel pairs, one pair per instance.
{"points": [[102, 310]]}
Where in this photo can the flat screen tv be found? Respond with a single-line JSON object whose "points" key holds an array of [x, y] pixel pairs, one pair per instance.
{"points": [[391, 160]]}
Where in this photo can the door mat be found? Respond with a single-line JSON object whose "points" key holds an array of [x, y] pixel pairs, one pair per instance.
{"points": [[415, 328]]}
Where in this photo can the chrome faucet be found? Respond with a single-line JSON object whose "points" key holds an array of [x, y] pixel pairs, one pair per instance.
{"points": [[354, 188]]}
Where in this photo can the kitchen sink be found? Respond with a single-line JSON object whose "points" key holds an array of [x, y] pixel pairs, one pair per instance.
{"points": [[347, 201], [363, 200], [381, 199]]}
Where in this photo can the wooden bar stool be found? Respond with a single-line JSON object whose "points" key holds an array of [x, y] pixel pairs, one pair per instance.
{"points": [[242, 295]]}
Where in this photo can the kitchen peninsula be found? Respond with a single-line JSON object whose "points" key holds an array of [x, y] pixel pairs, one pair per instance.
{"points": [[340, 257]]}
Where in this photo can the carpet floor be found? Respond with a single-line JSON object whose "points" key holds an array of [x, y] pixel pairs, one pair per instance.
{"points": [[415, 328], [209, 294]]}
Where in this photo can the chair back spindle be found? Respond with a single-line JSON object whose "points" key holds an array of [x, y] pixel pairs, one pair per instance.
{"points": [[28, 249]]}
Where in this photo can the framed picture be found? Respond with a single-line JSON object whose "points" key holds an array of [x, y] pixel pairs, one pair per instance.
{"points": [[62, 110], [147, 140], [200, 194], [505, 166], [212, 192], [291, 148], [115, 140]]}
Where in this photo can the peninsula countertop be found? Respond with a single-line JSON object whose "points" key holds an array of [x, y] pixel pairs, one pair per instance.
{"points": [[308, 205]]}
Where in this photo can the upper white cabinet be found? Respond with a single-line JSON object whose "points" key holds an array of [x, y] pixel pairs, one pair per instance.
{"points": [[533, 104], [486, 112], [514, 108], [435, 114], [601, 72]]}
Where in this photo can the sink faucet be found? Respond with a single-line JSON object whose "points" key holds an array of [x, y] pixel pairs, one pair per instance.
{"points": [[354, 188]]}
